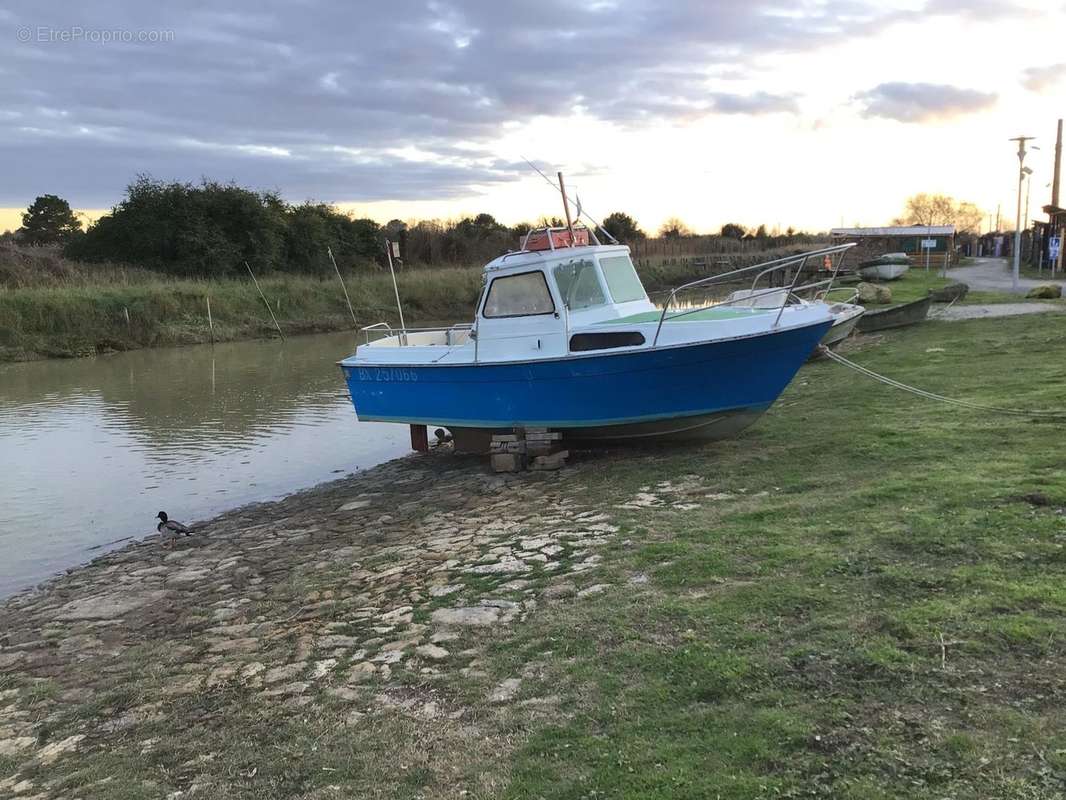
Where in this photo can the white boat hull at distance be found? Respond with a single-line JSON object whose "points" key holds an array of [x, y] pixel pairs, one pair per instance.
{"points": [[883, 272]]}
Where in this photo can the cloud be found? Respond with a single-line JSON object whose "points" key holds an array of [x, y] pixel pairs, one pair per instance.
{"points": [[1040, 79], [755, 103], [312, 97], [922, 102]]}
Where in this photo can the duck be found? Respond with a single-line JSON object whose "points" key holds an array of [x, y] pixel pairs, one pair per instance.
{"points": [[169, 527]]}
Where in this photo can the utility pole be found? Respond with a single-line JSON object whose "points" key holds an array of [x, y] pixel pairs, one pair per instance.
{"points": [[1055, 194], [1021, 140], [1028, 189], [1058, 163]]}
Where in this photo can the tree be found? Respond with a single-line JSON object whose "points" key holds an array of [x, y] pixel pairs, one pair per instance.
{"points": [[732, 231], [940, 209], [622, 227], [179, 228], [674, 228], [761, 233], [49, 220]]}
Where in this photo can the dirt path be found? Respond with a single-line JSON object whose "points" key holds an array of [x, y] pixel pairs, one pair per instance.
{"points": [[994, 275], [991, 310]]}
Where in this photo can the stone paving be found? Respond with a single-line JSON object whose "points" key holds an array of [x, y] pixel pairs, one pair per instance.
{"points": [[349, 591]]}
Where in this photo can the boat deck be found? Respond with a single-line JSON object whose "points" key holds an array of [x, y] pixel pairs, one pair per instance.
{"points": [[712, 314]]}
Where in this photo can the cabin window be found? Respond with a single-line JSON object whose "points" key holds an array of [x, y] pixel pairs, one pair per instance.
{"points": [[579, 285], [622, 279], [519, 296]]}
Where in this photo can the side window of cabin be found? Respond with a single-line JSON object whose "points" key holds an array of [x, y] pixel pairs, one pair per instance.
{"points": [[622, 279], [578, 284], [519, 296]]}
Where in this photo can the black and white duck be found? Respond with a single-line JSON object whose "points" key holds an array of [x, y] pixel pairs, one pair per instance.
{"points": [[170, 528]]}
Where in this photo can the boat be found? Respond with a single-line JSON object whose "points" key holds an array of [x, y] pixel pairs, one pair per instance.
{"points": [[887, 267], [883, 272], [845, 317], [896, 316], [565, 338], [889, 258]]}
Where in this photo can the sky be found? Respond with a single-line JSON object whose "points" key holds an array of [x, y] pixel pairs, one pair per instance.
{"points": [[814, 114]]}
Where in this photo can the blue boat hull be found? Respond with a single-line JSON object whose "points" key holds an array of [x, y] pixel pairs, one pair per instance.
{"points": [[674, 388]]}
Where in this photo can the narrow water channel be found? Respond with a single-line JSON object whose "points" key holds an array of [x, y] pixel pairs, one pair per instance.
{"points": [[92, 449]]}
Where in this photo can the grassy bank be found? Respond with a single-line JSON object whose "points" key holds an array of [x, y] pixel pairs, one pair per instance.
{"points": [[53, 308], [859, 598], [83, 320]]}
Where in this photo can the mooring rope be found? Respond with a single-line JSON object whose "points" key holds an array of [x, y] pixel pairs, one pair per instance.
{"points": [[939, 397], [945, 309]]}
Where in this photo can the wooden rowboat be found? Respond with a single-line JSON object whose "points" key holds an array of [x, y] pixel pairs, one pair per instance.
{"points": [[896, 316]]}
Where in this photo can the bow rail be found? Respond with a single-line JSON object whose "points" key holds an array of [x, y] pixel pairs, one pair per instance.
{"points": [[761, 269]]}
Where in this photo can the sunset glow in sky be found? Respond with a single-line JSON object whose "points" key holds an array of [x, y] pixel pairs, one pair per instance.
{"points": [[812, 114]]}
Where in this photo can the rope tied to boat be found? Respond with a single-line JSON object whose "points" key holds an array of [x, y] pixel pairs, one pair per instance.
{"points": [[1018, 412], [943, 310]]}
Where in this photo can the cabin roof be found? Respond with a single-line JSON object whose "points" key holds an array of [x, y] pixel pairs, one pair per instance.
{"points": [[537, 258], [897, 230]]}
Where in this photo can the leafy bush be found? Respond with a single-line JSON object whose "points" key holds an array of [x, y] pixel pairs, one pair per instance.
{"points": [[210, 230]]}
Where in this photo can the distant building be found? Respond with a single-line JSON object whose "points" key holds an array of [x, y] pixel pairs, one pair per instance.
{"points": [[1043, 232], [901, 238]]}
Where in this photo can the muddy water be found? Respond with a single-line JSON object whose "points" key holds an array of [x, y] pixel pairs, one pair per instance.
{"points": [[91, 449]]}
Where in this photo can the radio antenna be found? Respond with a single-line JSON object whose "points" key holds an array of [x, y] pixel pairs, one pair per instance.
{"points": [[580, 211]]}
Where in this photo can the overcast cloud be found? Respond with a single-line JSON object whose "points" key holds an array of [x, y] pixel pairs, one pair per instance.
{"points": [[368, 101], [922, 102], [1041, 79]]}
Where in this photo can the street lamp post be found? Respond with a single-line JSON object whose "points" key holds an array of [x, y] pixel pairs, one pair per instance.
{"points": [[1028, 189], [1021, 140]]}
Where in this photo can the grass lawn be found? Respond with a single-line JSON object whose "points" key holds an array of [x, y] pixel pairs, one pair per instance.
{"points": [[852, 600], [915, 283]]}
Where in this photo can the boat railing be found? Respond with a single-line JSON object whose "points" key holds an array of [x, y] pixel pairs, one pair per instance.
{"points": [[387, 330], [761, 269]]}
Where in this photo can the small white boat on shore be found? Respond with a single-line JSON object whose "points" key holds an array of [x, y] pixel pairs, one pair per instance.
{"points": [[886, 267], [884, 272]]}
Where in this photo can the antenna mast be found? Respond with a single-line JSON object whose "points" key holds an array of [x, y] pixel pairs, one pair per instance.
{"points": [[581, 213], [566, 208]]}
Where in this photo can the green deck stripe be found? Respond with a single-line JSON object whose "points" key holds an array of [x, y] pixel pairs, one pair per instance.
{"points": [[695, 316]]}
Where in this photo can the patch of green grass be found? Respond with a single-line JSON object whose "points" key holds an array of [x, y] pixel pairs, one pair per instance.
{"points": [[8, 766], [887, 620], [914, 284]]}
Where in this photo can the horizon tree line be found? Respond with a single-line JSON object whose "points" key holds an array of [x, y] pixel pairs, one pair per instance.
{"points": [[211, 229]]}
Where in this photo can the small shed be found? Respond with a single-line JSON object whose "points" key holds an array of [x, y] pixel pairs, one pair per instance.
{"points": [[914, 240], [1043, 232]]}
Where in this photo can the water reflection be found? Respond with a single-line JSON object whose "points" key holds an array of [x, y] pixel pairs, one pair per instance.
{"points": [[91, 449]]}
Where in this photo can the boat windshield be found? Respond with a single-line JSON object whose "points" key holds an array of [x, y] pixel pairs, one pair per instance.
{"points": [[622, 280], [579, 285]]}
